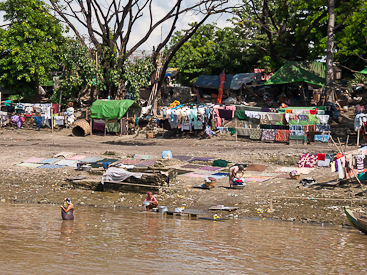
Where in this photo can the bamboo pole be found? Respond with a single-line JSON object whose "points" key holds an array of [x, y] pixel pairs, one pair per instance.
{"points": [[127, 122], [91, 125], [358, 137], [346, 143], [105, 128], [235, 120]]}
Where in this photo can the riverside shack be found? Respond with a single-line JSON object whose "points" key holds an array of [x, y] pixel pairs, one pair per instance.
{"points": [[113, 115]]}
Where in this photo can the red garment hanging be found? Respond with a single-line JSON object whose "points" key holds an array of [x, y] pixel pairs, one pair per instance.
{"points": [[222, 77]]}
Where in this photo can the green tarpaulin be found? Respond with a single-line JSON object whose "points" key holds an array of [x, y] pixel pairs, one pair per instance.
{"points": [[364, 71], [294, 71], [111, 109]]}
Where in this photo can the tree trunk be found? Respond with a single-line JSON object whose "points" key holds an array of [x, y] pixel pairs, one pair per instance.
{"points": [[330, 52], [266, 27]]}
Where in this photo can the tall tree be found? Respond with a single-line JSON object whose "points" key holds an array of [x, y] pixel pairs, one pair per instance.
{"points": [[110, 27], [79, 70], [291, 29], [30, 45]]}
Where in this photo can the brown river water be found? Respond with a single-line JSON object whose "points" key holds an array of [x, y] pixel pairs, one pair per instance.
{"points": [[34, 240]]}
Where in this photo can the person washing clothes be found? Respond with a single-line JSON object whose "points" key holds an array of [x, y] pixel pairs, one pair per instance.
{"points": [[233, 173], [150, 201], [67, 210]]}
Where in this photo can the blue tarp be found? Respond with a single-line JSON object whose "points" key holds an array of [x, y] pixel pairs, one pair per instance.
{"points": [[213, 81], [243, 78]]}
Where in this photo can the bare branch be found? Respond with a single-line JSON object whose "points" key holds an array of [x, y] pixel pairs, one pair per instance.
{"points": [[116, 21]]}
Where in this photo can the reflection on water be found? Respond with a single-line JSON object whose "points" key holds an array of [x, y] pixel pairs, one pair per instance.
{"points": [[34, 240]]}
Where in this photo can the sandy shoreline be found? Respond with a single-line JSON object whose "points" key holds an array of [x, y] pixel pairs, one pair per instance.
{"points": [[291, 201]]}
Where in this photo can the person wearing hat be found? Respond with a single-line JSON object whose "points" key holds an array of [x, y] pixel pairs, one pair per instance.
{"points": [[153, 203], [67, 210], [233, 173]]}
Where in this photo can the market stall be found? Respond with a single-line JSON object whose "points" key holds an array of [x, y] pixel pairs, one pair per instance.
{"points": [[113, 115]]}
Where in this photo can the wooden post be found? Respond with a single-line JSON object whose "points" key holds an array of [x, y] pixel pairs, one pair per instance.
{"points": [[358, 137], [52, 121], [121, 127], [235, 127], [271, 205], [60, 102], [346, 143], [105, 126], [127, 122], [91, 125]]}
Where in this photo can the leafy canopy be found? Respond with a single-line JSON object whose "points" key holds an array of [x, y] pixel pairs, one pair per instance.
{"points": [[79, 70], [137, 75], [209, 51], [29, 46]]}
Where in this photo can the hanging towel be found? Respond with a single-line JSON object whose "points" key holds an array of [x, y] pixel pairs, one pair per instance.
{"points": [[341, 169], [321, 156], [360, 163], [332, 166], [232, 130], [269, 134], [282, 135], [241, 115], [255, 133]]}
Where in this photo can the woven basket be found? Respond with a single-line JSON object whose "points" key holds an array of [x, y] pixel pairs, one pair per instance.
{"points": [[81, 128], [150, 135]]}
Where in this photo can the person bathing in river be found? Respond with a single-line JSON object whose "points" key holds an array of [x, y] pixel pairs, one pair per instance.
{"points": [[233, 173], [153, 203], [67, 210]]}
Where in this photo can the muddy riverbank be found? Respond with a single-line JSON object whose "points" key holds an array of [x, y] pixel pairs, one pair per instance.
{"points": [[290, 200]]}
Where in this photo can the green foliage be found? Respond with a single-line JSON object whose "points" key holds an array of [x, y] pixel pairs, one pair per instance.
{"points": [[115, 72], [29, 46], [137, 74], [273, 31], [209, 51], [297, 30], [358, 79], [15, 98], [266, 34], [79, 70], [351, 38]]}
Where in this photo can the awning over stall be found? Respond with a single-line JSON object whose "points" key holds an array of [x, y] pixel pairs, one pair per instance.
{"points": [[294, 71], [111, 109]]}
